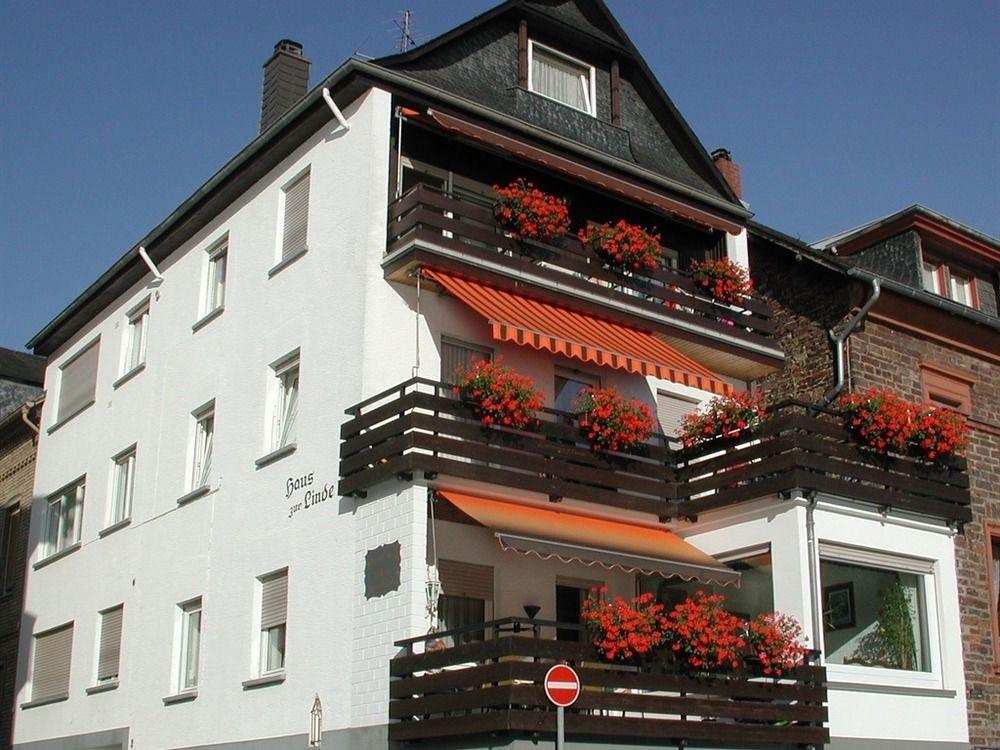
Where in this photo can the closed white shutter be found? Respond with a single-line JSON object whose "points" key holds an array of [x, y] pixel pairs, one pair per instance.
{"points": [[274, 601], [296, 222], [671, 409], [456, 354], [50, 672], [78, 382], [466, 579], [871, 558], [110, 648]]}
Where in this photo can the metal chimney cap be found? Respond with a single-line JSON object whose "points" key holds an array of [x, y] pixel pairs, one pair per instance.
{"points": [[288, 45]]}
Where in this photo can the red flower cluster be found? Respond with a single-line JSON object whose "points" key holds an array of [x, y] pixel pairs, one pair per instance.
{"points": [[704, 634], [879, 419], [623, 630], [776, 639], [625, 246], [611, 422], [723, 280], [502, 396], [724, 416], [938, 434], [529, 213]]}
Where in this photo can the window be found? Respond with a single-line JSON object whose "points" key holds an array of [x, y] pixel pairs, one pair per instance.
{"points": [[963, 289], [875, 608], [670, 409], [993, 580], [215, 277], [122, 484], [946, 387], [189, 645], [560, 77], [949, 282], [569, 384], [78, 382], [109, 647], [11, 541], [755, 596], [273, 621], [63, 518], [134, 354], [285, 402], [295, 224], [201, 457], [50, 667], [456, 355], [466, 597], [933, 275]]}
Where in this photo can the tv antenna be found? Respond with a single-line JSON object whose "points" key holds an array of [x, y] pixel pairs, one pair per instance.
{"points": [[405, 40]]}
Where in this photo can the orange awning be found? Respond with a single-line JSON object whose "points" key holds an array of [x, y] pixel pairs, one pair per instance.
{"points": [[542, 325], [572, 537]]}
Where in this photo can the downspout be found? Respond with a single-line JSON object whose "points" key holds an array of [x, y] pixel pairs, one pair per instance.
{"points": [[840, 338], [25, 409], [813, 568], [335, 109], [157, 276]]}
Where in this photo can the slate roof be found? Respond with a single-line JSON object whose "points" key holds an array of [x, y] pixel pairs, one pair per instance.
{"points": [[916, 208]]}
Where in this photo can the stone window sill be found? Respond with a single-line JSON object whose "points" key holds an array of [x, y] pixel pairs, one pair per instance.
{"points": [[194, 494], [57, 555], [275, 678], [103, 687], [128, 375], [187, 695], [275, 455], [114, 527], [70, 416], [207, 318], [284, 263], [45, 701]]}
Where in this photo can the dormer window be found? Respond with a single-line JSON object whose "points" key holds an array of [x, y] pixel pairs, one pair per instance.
{"points": [[561, 77], [949, 282]]}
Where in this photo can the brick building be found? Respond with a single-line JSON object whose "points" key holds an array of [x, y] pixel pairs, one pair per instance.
{"points": [[933, 335], [20, 381]]}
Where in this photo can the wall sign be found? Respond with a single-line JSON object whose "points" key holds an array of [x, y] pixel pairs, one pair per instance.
{"points": [[303, 493]]}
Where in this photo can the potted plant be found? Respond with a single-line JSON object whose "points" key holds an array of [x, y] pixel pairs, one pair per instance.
{"points": [[528, 213], [623, 630], [623, 246], [880, 420], [611, 422], [938, 434], [722, 280], [776, 641], [500, 395], [723, 416], [703, 635]]}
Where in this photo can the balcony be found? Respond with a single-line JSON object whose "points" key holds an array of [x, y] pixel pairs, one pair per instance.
{"points": [[419, 426], [494, 687], [428, 227]]}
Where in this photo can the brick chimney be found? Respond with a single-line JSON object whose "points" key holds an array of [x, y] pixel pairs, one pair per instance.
{"points": [[286, 80], [730, 170]]}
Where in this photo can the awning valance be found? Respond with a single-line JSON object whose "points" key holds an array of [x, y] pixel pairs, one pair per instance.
{"points": [[573, 537], [578, 171], [543, 325]]}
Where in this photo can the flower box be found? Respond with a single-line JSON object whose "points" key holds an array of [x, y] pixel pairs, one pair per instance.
{"points": [[722, 280], [499, 395], [611, 422], [529, 213], [623, 246]]}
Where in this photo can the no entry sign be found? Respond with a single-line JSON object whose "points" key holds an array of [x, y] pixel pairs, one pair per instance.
{"points": [[562, 685]]}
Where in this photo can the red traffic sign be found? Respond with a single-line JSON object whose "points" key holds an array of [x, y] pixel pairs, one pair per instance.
{"points": [[562, 685]]}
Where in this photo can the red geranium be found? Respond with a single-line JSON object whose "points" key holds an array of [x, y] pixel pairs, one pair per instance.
{"points": [[724, 416], [723, 280], [881, 420], [625, 246], [502, 396], [938, 434], [776, 639], [529, 213], [622, 629], [612, 422], [703, 634]]}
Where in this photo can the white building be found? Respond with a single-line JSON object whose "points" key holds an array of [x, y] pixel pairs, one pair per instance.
{"points": [[216, 542]]}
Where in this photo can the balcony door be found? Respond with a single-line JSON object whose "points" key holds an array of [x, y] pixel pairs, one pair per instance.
{"points": [[568, 386], [570, 594]]}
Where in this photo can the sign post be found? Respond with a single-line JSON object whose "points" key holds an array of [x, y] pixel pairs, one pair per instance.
{"points": [[562, 687]]}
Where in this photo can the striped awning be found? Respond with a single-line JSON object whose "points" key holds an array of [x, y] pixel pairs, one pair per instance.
{"points": [[543, 325], [570, 536]]}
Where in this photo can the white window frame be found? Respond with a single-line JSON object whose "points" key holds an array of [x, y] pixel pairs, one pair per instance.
{"points": [[264, 635], [202, 447], [216, 271], [121, 489], [930, 584], [281, 257], [282, 408], [590, 91], [135, 338], [183, 638], [61, 414], [97, 644], [65, 538]]}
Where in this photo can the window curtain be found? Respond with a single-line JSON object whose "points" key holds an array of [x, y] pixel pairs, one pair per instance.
{"points": [[560, 80]]}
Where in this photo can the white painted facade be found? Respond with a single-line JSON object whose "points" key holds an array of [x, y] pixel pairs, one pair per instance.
{"points": [[356, 335]]}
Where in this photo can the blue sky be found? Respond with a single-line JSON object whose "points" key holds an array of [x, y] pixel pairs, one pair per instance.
{"points": [[114, 112]]}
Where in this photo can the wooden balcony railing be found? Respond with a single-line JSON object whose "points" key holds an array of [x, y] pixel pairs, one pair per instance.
{"points": [[420, 425], [467, 226], [494, 686]]}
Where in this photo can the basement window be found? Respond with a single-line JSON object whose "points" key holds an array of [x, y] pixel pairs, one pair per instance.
{"points": [[561, 77]]}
